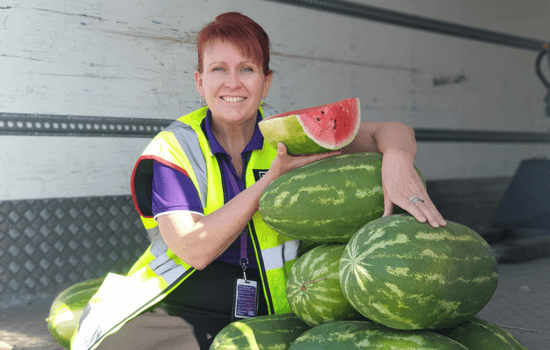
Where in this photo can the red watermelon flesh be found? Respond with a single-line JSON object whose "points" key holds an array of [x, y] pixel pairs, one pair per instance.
{"points": [[316, 129]]}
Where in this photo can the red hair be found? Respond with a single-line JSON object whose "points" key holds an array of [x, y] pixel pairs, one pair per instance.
{"points": [[242, 32]]}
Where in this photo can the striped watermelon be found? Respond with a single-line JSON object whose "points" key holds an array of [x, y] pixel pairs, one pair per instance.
{"points": [[478, 334], [314, 130], [326, 201], [262, 332], [313, 287], [408, 275], [67, 308], [368, 335]]}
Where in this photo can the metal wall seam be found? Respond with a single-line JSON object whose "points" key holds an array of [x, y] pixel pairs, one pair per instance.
{"points": [[70, 125], [417, 22], [456, 135]]}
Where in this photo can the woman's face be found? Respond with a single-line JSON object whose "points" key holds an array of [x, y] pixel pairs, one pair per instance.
{"points": [[232, 85]]}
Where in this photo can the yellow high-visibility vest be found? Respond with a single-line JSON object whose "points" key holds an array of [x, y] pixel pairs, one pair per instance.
{"points": [[182, 146]]}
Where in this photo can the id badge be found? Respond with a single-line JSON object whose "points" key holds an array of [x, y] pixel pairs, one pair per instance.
{"points": [[245, 299]]}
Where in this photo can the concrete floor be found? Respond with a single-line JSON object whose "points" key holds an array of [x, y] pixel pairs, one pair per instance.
{"points": [[521, 305]]}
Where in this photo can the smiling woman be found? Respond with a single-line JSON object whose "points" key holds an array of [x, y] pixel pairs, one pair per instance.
{"points": [[233, 87], [197, 188], [233, 76]]}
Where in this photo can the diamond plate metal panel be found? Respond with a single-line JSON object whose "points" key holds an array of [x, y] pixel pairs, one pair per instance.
{"points": [[47, 245]]}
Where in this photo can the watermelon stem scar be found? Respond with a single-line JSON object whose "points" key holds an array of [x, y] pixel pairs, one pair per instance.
{"points": [[304, 284]]}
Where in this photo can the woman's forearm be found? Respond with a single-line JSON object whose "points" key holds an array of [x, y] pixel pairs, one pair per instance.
{"points": [[383, 136], [200, 240], [396, 136]]}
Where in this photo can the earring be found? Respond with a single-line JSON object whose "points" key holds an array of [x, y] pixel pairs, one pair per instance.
{"points": [[203, 102]]}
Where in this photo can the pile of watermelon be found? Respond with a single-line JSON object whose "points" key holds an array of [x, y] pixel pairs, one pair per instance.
{"points": [[367, 281]]}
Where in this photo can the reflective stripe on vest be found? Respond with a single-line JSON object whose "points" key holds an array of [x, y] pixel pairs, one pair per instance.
{"points": [[189, 141], [275, 257], [163, 265]]}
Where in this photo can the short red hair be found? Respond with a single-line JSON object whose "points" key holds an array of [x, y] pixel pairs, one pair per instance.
{"points": [[242, 32]]}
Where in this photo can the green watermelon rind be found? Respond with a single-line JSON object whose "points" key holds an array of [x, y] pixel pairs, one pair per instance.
{"points": [[478, 334], [276, 331], [314, 202], [326, 201], [455, 268], [289, 128], [290, 131], [313, 287], [369, 335], [75, 288], [67, 308]]}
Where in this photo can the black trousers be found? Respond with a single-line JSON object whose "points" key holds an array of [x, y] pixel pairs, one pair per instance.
{"points": [[189, 317]]}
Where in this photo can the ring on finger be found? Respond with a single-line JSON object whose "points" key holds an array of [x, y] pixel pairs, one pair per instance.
{"points": [[416, 199]]}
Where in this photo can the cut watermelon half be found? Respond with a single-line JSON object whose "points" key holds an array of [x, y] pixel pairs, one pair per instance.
{"points": [[316, 129]]}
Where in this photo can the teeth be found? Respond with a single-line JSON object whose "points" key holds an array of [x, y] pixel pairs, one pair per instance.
{"points": [[233, 99]]}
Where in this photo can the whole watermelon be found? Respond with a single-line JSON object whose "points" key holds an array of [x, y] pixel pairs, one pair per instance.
{"points": [[326, 201], [368, 335], [408, 275], [258, 333], [313, 287], [478, 334], [67, 308]]}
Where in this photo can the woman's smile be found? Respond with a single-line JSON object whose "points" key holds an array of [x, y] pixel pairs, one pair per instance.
{"points": [[232, 99]]}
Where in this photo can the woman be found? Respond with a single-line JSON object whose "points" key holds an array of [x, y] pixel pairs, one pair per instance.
{"points": [[196, 191]]}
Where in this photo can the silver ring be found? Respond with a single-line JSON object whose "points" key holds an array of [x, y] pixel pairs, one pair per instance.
{"points": [[416, 199]]}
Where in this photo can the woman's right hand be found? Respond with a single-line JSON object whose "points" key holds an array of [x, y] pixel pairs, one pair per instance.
{"points": [[284, 162]]}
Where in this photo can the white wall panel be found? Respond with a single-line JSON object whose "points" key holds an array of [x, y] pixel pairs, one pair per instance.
{"points": [[46, 167], [122, 58], [522, 18]]}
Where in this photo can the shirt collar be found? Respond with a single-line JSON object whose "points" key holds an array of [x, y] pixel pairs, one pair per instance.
{"points": [[256, 142]]}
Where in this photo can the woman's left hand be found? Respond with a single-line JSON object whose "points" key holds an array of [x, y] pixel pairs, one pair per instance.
{"points": [[400, 183]]}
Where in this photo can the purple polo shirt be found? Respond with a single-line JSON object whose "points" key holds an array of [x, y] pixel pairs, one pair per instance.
{"points": [[174, 191]]}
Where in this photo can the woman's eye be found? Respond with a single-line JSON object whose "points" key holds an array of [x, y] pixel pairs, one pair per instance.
{"points": [[247, 69], [217, 69]]}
